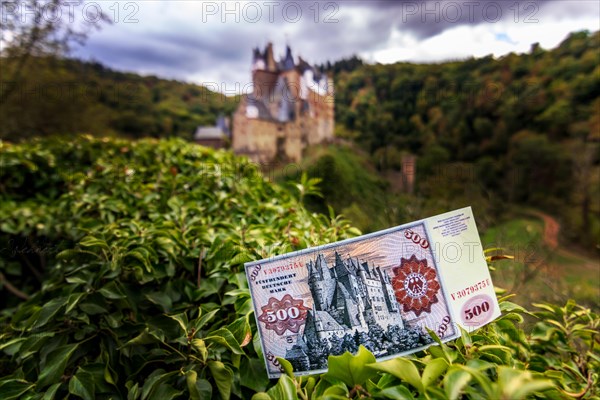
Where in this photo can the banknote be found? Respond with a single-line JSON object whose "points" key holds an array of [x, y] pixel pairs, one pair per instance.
{"points": [[383, 290]]}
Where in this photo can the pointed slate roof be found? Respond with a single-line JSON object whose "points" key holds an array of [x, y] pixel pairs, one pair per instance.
{"points": [[342, 295], [327, 321]]}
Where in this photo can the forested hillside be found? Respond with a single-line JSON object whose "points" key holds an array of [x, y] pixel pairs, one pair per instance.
{"points": [[64, 96], [521, 129]]}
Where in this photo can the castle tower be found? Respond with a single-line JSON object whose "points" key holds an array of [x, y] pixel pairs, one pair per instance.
{"points": [[290, 107], [321, 282]]}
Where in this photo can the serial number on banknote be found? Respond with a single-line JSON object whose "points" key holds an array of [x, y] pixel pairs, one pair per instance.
{"points": [[471, 289]]}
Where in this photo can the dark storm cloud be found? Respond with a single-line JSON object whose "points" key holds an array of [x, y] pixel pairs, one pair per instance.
{"points": [[425, 18], [194, 40], [172, 53]]}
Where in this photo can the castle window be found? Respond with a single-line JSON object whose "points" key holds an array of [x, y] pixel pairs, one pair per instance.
{"points": [[251, 112]]}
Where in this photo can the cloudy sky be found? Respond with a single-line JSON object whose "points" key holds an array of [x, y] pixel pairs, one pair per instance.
{"points": [[210, 42]]}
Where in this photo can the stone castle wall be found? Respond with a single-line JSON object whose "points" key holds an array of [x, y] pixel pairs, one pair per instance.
{"points": [[269, 140]]}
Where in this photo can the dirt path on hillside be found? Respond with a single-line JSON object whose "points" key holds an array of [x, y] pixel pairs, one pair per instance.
{"points": [[561, 270], [551, 231], [551, 228]]}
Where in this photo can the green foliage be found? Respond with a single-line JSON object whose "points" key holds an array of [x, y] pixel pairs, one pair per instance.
{"points": [[64, 96], [559, 360], [347, 183], [142, 293], [139, 292], [525, 126]]}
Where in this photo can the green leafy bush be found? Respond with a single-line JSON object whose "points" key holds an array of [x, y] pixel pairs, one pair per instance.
{"points": [[122, 278]]}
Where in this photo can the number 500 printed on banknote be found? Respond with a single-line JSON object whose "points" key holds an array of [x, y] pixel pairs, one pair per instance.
{"points": [[380, 290]]}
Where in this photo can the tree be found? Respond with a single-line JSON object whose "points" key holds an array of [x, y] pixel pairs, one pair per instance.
{"points": [[40, 28], [336, 347], [349, 344], [362, 338], [317, 353], [540, 171]]}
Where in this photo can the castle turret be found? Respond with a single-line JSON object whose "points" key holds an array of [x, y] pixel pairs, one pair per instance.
{"points": [[288, 62], [269, 59], [340, 267], [321, 282]]}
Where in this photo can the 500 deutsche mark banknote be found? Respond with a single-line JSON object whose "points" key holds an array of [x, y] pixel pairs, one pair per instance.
{"points": [[380, 290]]}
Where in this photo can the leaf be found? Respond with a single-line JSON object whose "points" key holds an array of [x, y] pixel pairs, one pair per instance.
{"points": [[352, 370], [145, 337], [12, 346], [287, 367], [507, 306], [90, 241], [517, 384], [454, 382], [481, 379], [223, 378], [402, 369], [202, 320], [200, 346], [253, 374], [133, 392], [499, 257], [191, 378], [72, 301], [161, 299], [51, 392], [548, 307], [82, 385], [224, 337], [449, 354], [48, 311], [525, 390], [397, 392], [154, 380], [55, 365], [92, 308], [182, 320], [284, 389], [466, 337], [144, 259], [112, 291], [33, 344], [261, 396], [76, 280], [240, 329], [241, 258], [433, 370], [14, 388], [164, 391], [205, 389], [502, 352]]}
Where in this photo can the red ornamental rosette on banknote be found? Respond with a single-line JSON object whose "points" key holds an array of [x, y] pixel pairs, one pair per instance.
{"points": [[285, 314], [415, 285]]}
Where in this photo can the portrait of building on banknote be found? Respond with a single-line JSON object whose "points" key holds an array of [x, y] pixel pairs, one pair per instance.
{"points": [[382, 291]]}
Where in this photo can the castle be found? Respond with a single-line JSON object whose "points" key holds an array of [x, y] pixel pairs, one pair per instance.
{"points": [[349, 297], [291, 106]]}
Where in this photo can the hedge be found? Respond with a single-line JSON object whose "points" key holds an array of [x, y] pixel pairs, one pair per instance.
{"points": [[121, 273]]}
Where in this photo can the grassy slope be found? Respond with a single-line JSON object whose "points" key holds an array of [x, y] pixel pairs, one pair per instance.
{"points": [[538, 272], [349, 184]]}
